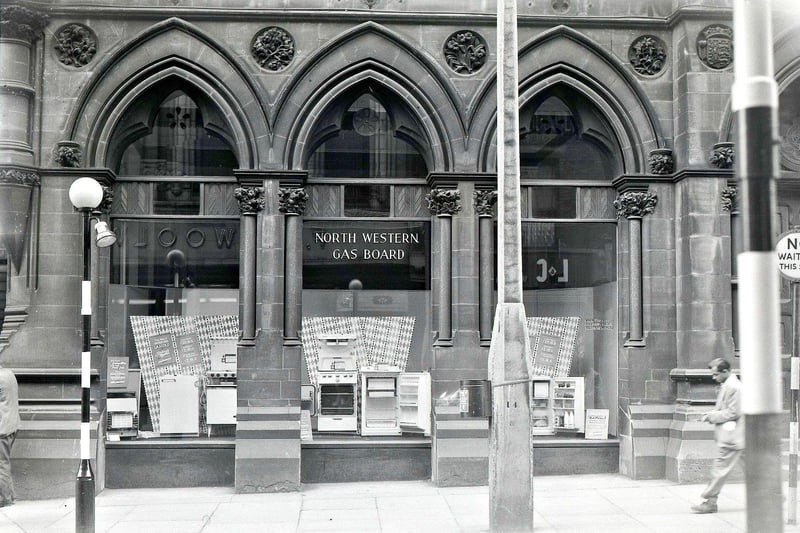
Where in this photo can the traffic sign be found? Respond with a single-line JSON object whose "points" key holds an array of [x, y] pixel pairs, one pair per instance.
{"points": [[788, 250]]}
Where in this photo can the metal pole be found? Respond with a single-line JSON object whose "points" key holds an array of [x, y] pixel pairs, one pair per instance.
{"points": [[795, 378], [754, 99], [84, 484]]}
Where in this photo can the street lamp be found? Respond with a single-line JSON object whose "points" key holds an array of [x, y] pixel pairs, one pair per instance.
{"points": [[86, 194]]}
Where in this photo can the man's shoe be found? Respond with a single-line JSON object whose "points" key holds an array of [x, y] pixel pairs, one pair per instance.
{"points": [[705, 508]]}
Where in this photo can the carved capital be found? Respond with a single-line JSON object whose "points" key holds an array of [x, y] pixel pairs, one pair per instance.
{"points": [[75, 45], [635, 204], [444, 201], [19, 22], [251, 199], [465, 51], [722, 156], [19, 176], [273, 48], [661, 161], [729, 199], [485, 202], [68, 154], [292, 200]]}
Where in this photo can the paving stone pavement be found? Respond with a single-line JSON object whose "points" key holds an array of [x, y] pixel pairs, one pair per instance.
{"points": [[562, 504]]}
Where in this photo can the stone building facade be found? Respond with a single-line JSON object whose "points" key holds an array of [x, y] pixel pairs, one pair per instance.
{"points": [[260, 129]]}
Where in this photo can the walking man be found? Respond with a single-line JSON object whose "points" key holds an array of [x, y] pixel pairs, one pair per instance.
{"points": [[728, 432], [9, 424]]}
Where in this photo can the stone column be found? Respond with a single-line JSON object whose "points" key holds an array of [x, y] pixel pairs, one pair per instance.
{"points": [[292, 204], [730, 205], [251, 201], [444, 203], [20, 28], [485, 201], [634, 205]]}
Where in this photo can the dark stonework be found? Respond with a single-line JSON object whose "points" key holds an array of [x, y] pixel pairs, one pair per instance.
{"points": [[292, 200], [20, 176], [251, 199], [647, 55], [729, 199], [68, 154], [465, 52], [21, 23], [722, 156], [108, 199], [485, 202], [635, 204], [76, 45], [715, 46], [444, 201], [273, 48], [660, 161]]}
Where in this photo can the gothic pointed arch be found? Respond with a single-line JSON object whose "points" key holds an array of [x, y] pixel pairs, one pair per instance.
{"points": [[371, 53], [602, 81], [193, 60]]}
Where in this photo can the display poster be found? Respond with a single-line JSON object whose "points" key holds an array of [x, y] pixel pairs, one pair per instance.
{"points": [[188, 349], [162, 350], [117, 372], [596, 424], [553, 343]]}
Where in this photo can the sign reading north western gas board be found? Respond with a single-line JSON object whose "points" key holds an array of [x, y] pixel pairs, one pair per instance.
{"points": [[788, 250], [380, 254]]}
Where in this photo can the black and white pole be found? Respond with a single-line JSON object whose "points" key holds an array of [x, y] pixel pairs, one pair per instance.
{"points": [[754, 99], [795, 379], [85, 194], [84, 488]]}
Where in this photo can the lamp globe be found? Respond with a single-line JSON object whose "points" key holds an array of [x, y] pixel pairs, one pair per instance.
{"points": [[85, 193]]}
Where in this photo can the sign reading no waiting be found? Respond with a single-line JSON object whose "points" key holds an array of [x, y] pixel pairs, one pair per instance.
{"points": [[788, 250]]}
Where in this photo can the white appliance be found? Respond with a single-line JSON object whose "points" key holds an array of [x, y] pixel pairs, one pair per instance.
{"points": [[338, 383], [414, 396], [379, 401], [221, 383], [122, 407], [180, 404]]}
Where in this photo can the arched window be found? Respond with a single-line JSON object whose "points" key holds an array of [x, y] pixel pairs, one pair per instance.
{"points": [[176, 135], [367, 133], [564, 136]]}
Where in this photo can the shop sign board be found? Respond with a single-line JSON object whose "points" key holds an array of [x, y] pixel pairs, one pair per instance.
{"points": [[162, 350], [188, 349], [117, 372], [596, 424], [788, 251]]}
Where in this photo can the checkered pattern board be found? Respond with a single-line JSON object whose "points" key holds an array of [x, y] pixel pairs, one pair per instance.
{"points": [[561, 333], [205, 327]]}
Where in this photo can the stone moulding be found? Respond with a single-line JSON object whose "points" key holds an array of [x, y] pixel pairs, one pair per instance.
{"points": [[76, 45], [635, 204], [484, 202], [273, 48], [443, 202], [292, 200], [18, 22], [722, 155], [729, 197], [68, 154], [660, 161], [465, 51], [251, 199]]}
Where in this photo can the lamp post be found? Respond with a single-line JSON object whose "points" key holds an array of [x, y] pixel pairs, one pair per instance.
{"points": [[86, 194]]}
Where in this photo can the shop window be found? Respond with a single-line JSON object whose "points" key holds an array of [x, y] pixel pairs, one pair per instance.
{"points": [[366, 200], [553, 202], [177, 198], [564, 136], [359, 137]]}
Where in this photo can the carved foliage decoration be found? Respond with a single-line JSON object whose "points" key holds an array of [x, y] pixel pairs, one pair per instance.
{"points": [[76, 45], [722, 156], [273, 48], [444, 201], [68, 154], [485, 202], [729, 197], [647, 55], [465, 51], [635, 204], [292, 200], [251, 199], [715, 46], [16, 175], [21, 23], [660, 161], [108, 199]]}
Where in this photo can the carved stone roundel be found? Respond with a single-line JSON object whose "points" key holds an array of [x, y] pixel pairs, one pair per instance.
{"points": [[715, 46], [465, 51], [648, 55], [75, 45], [273, 48]]}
